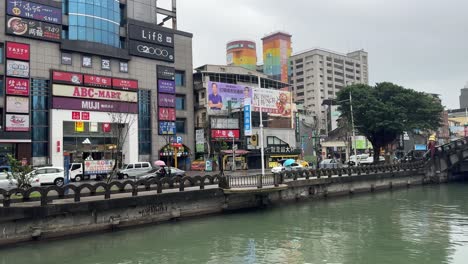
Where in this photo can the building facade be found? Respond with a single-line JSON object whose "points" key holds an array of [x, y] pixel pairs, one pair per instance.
{"points": [[319, 74], [77, 72], [242, 53], [276, 53], [220, 117], [464, 97]]}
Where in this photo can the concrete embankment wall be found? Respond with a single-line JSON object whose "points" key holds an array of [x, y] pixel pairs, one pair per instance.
{"points": [[20, 224]]}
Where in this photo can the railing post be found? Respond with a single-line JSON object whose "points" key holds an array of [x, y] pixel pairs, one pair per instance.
{"points": [[259, 181]]}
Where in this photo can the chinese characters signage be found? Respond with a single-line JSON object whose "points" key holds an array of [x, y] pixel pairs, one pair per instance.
{"points": [[167, 114], [35, 11], [18, 51], [225, 133], [124, 84], [167, 128], [33, 29], [17, 104], [165, 86], [166, 100], [67, 77], [17, 86], [166, 73], [97, 81]]}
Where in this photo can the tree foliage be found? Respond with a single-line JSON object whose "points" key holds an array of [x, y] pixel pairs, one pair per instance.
{"points": [[19, 173], [383, 112]]}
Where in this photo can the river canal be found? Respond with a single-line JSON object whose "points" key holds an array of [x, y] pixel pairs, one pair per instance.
{"points": [[424, 225]]}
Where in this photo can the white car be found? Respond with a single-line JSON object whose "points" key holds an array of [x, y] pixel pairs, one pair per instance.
{"points": [[5, 183], [48, 175], [293, 167], [363, 159]]}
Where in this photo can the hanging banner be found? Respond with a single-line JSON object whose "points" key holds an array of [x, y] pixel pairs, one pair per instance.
{"points": [[247, 117], [79, 126]]}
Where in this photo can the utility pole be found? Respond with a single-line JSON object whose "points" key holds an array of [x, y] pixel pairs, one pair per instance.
{"points": [[352, 126], [262, 151]]}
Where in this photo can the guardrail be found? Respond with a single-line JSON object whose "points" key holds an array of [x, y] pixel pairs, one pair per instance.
{"points": [[51, 193], [106, 189]]}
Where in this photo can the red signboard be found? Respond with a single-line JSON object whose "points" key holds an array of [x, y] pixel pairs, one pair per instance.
{"points": [[67, 77], [106, 127], [97, 81], [18, 51], [76, 115], [225, 133], [85, 115], [17, 86], [167, 114], [124, 84]]}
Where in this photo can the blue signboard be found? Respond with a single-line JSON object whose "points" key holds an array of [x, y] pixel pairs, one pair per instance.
{"points": [[167, 128], [247, 117], [420, 147], [34, 11]]}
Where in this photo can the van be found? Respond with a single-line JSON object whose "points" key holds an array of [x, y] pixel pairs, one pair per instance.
{"points": [[134, 169]]}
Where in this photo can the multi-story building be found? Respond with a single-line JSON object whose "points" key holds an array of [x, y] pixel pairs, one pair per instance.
{"points": [[318, 74], [464, 97], [220, 120], [74, 72], [276, 53], [242, 53]]}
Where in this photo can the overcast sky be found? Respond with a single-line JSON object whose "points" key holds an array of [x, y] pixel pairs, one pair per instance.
{"points": [[420, 44]]}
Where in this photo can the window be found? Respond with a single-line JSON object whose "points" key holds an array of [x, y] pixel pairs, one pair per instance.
{"points": [[138, 166], [130, 166], [202, 95], [144, 122], [94, 21], [180, 126], [52, 171], [40, 117], [145, 165], [123, 66], [41, 171], [180, 78], [180, 102], [1, 52]]}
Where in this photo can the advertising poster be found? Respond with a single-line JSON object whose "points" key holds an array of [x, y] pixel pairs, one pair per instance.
{"points": [[167, 114], [79, 126], [16, 122], [275, 102], [17, 86], [167, 128], [220, 94], [17, 51], [16, 68], [34, 11], [28, 28], [165, 86], [17, 104]]}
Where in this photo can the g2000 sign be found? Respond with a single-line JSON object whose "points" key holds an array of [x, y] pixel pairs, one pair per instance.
{"points": [[151, 51]]}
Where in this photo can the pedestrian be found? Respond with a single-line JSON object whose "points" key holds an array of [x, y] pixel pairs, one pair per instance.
{"points": [[431, 145]]}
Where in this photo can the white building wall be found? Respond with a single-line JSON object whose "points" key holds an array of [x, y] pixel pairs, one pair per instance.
{"points": [[57, 117]]}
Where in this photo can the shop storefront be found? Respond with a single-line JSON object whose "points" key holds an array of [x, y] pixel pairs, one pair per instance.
{"points": [[170, 153]]}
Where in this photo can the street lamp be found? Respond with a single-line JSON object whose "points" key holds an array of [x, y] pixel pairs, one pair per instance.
{"points": [[262, 151]]}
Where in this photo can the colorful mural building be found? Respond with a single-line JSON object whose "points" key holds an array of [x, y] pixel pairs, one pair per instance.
{"points": [[242, 53], [276, 52]]}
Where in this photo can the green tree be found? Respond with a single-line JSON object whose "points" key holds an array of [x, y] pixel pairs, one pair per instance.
{"points": [[19, 173], [383, 112]]}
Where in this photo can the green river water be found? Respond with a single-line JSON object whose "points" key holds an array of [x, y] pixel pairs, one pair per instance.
{"points": [[424, 225]]}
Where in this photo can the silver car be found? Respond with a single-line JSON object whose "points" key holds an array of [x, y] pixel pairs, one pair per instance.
{"points": [[330, 164]]}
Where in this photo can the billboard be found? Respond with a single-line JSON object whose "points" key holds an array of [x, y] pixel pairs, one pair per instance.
{"points": [[93, 93], [220, 94], [92, 105], [151, 51], [17, 68], [167, 114], [17, 86], [222, 123], [67, 77], [17, 104], [275, 102], [34, 11], [167, 100], [225, 133], [166, 73], [16, 122], [165, 86], [18, 51], [28, 28], [167, 128], [156, 35]]}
